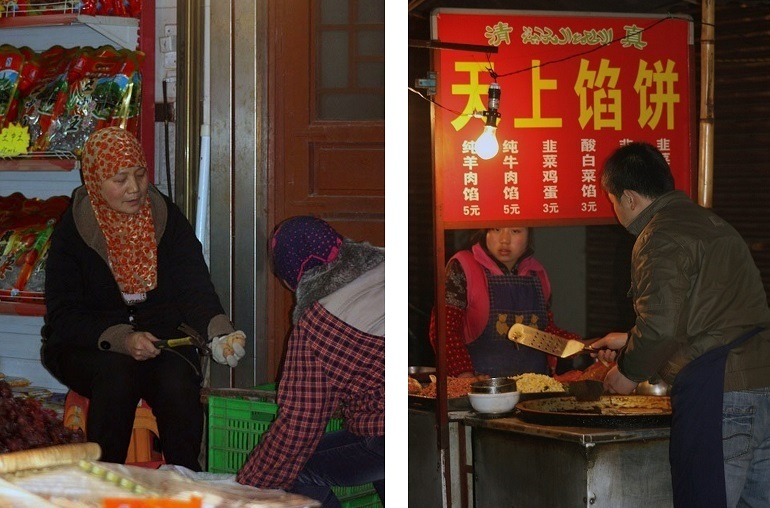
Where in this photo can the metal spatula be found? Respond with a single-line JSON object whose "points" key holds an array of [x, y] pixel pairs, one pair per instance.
{"points": [[586, 390], [548, 342]]}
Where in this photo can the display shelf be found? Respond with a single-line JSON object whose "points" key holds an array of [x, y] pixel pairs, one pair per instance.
{"points": [[57, 173], [87, 30], [22, 303], [41, 161]]}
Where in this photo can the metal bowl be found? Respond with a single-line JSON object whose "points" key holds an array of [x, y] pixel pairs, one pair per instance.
{"points": [[421, 374], [661, 388], [494, 385]]}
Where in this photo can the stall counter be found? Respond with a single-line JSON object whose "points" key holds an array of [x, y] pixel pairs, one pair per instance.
{"points": [[522, 464], [426, 480]]}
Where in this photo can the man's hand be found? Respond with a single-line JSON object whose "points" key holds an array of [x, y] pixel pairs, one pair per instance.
{"points": [[615, 382], [228, 349], [612, 341]]}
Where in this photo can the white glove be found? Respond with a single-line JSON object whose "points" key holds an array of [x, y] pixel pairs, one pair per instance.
{"points": [[228, 349]]}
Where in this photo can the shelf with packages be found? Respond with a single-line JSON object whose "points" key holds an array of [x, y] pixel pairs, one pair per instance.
{"points": [[41, 32]]}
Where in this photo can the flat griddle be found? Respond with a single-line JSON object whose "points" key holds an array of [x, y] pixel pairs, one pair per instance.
{"points": [[613, 411]]}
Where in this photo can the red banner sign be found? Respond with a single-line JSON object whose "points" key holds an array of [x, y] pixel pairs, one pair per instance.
{"points": [[573, 88]]}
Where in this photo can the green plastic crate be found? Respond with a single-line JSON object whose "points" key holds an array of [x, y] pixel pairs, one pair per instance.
{"points": [[365, 501], [271, 387], [235, 427], [349, 493], [362, 496]]}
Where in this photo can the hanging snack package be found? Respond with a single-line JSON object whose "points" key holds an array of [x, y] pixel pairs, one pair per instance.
{"points": [[11, 63], [124, 8], [127, 114], [24, 241], [46, 214], [39, 105], [99, 81], [30, 73], [135, 8], [38, 7], [19, 241], [10, 207]]}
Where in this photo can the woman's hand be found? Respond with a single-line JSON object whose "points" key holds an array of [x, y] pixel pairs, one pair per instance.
{"points": [[140, 346], [228, 349]]}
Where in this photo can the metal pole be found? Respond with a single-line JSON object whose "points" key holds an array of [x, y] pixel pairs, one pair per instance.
{"points": [[706, 152], [189, 109], [442, 407]]}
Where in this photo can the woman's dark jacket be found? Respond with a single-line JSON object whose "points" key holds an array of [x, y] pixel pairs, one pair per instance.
{"points": [[85, 308]]}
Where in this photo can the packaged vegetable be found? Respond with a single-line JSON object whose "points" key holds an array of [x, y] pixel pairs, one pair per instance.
{"points": [[11, 63], [40, 105], [99, 84], [25, 233]]}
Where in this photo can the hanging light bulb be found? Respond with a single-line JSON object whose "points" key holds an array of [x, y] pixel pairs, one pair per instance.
{"points": [[487, 145]]}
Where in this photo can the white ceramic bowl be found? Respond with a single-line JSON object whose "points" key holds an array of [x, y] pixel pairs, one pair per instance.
{"points": [[493, 402]]}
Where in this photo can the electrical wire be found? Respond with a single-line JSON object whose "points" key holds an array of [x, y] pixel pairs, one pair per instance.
{"points": [[415, 91], [183, 357]]}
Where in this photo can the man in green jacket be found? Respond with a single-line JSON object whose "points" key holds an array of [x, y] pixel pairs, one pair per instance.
{"points": [[702, 325]]}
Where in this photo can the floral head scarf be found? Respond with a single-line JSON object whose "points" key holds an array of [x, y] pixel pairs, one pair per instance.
{"points": [[301, 243], [131, 246]]}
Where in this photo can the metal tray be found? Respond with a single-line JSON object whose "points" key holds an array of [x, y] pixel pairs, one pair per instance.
{"points": [[614, 411]]}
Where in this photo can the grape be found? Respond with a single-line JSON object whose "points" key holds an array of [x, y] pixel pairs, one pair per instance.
{"points": [[25, 424]]}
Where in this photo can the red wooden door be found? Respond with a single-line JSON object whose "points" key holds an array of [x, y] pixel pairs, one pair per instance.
{"points": [[327, 93]]}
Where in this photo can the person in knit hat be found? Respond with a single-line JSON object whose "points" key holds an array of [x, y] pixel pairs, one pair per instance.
{"points": [[335, 362], [301, 244], [124, 271]]}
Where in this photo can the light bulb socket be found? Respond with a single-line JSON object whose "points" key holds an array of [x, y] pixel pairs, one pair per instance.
{"points": [[491, 117], [494, 97], [493, 105]]}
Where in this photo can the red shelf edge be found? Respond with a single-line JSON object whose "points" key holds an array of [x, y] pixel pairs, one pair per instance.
{"points": [[27, 21], [42, 20], [22, 309], [33, 164]]}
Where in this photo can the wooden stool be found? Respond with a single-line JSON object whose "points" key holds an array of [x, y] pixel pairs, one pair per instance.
{"points": [[140, 449]]}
